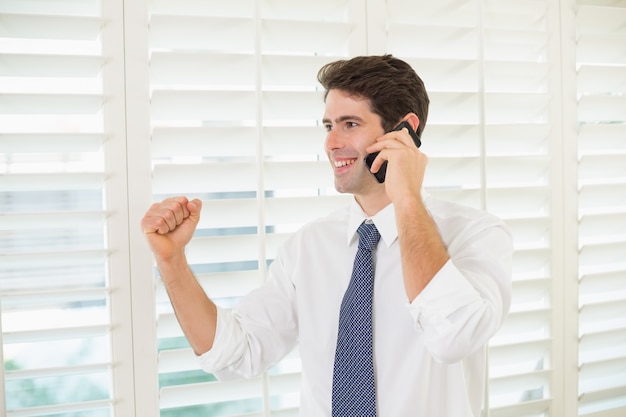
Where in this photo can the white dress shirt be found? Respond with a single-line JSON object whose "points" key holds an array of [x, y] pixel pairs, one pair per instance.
{"points": [[430, 355]]}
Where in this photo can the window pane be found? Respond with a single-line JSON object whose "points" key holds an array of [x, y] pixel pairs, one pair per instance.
{"points": [[232, 88], [488, 137], [53, 276], [602, 206]]}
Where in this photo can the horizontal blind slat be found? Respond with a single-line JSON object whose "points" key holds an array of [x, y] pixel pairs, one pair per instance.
{"points": [[602, 344], [230, 284], [518, 389], [442, 13], [596, 108], [32, 26], [51, 181], [50, 220], [187, 68], [220, 285], [203, 142], [284, 383], [601, 287], [50, 104], [422, 41], [316, 36], [39, 65], [605, 228], [601, 138], [61, 408], [51, 142], [527, 325], [281, 70], [57, 371], [51, 258], [286, 105], [219, 34], [203, 178], [210, 392], [297, 175], [599, 258], [44, 335], [600, 79], [293, 141], [233, 8], [56, 7], [601, 48], [224, 213], [205, 106], [17, 300], [287, 210], [223, 249], [600, 18], [529, 408], [177, 360]]}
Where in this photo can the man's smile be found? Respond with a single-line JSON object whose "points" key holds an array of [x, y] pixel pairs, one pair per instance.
{"points": [[344, 162]]}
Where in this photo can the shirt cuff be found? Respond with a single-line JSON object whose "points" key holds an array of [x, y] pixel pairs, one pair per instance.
{"points": [[226, 344], [448, 292]]}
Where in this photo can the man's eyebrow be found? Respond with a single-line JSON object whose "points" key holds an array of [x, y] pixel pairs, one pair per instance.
{"points": [[342, 119]]}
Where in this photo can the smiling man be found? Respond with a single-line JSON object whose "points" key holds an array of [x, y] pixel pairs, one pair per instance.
{"points": [[391, 300]]}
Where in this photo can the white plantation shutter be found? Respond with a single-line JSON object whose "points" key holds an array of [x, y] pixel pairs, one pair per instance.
{"points": [[236, 121], [220, 100], [601, 65], [487, 67], [56, 267]]}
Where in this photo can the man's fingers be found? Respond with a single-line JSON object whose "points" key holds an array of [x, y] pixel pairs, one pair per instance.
{"points": [[405, 137], [154, 224], [170, 217], [165, 216]]}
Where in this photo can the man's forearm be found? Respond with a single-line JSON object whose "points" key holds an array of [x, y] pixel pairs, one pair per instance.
{"points": [[195, 312], [421, 247]]}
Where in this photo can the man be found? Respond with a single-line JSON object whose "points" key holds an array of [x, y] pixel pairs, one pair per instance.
{"points": [[442, 272]]}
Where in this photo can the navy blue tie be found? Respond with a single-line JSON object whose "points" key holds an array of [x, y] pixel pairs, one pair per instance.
{"points": [[354, 389]]}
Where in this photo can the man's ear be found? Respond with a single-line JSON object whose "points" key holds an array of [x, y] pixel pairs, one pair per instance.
{"points": [[413, 120]]}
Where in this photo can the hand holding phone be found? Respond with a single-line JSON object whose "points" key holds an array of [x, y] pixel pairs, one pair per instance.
{"points": [[369, 159]]}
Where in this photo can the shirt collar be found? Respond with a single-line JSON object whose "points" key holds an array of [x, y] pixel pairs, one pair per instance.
{"points": [[385, 221]]}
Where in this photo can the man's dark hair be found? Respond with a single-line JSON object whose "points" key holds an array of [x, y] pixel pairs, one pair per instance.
{"points": [[390, 84]]}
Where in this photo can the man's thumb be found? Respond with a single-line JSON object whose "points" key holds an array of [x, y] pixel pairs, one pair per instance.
{"points": [[194, 206]]}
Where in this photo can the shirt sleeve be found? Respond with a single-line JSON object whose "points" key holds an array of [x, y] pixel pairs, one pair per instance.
{"points": [[229, 343], [256, 334], [467, 300]]}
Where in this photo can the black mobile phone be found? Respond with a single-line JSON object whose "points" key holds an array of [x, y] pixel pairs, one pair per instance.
{"points": [[369, 159]]}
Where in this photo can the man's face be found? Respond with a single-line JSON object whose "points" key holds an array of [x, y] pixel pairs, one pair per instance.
{"points": [[351, 127]]}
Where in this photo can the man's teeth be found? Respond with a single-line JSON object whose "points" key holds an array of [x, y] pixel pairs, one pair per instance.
{"points": [[340, 164]]}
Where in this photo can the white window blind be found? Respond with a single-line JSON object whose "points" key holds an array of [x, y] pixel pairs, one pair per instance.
{"points": [[232, 108], [236, 121], [64, 250], [601, 66], [487, 66], [56, 328]]}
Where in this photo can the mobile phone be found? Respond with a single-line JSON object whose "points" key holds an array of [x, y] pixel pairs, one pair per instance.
{"points": [[369, 159]]}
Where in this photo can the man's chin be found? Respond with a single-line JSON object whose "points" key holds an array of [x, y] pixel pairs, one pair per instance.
{"points": [[342, 188]]}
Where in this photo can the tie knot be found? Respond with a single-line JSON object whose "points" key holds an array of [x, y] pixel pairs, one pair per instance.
{"points": [[368, 236]]}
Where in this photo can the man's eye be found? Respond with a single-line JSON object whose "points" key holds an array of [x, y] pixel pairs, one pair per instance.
{"points": [[328, 128], [351, 124]]}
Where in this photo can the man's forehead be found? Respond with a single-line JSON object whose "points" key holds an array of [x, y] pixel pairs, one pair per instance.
{"points": [[342, 106]]}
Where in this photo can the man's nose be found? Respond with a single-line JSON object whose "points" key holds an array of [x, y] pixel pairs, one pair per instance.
{"points": [[334, 140]]}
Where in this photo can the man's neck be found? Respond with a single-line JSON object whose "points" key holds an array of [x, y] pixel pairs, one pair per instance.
{"points": [[373, 203]]}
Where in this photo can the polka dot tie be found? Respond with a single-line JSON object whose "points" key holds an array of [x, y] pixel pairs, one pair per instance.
{"points": [[354, 390]]}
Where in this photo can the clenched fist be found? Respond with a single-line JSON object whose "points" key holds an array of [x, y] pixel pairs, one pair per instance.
{"points": [[169, 226]]}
